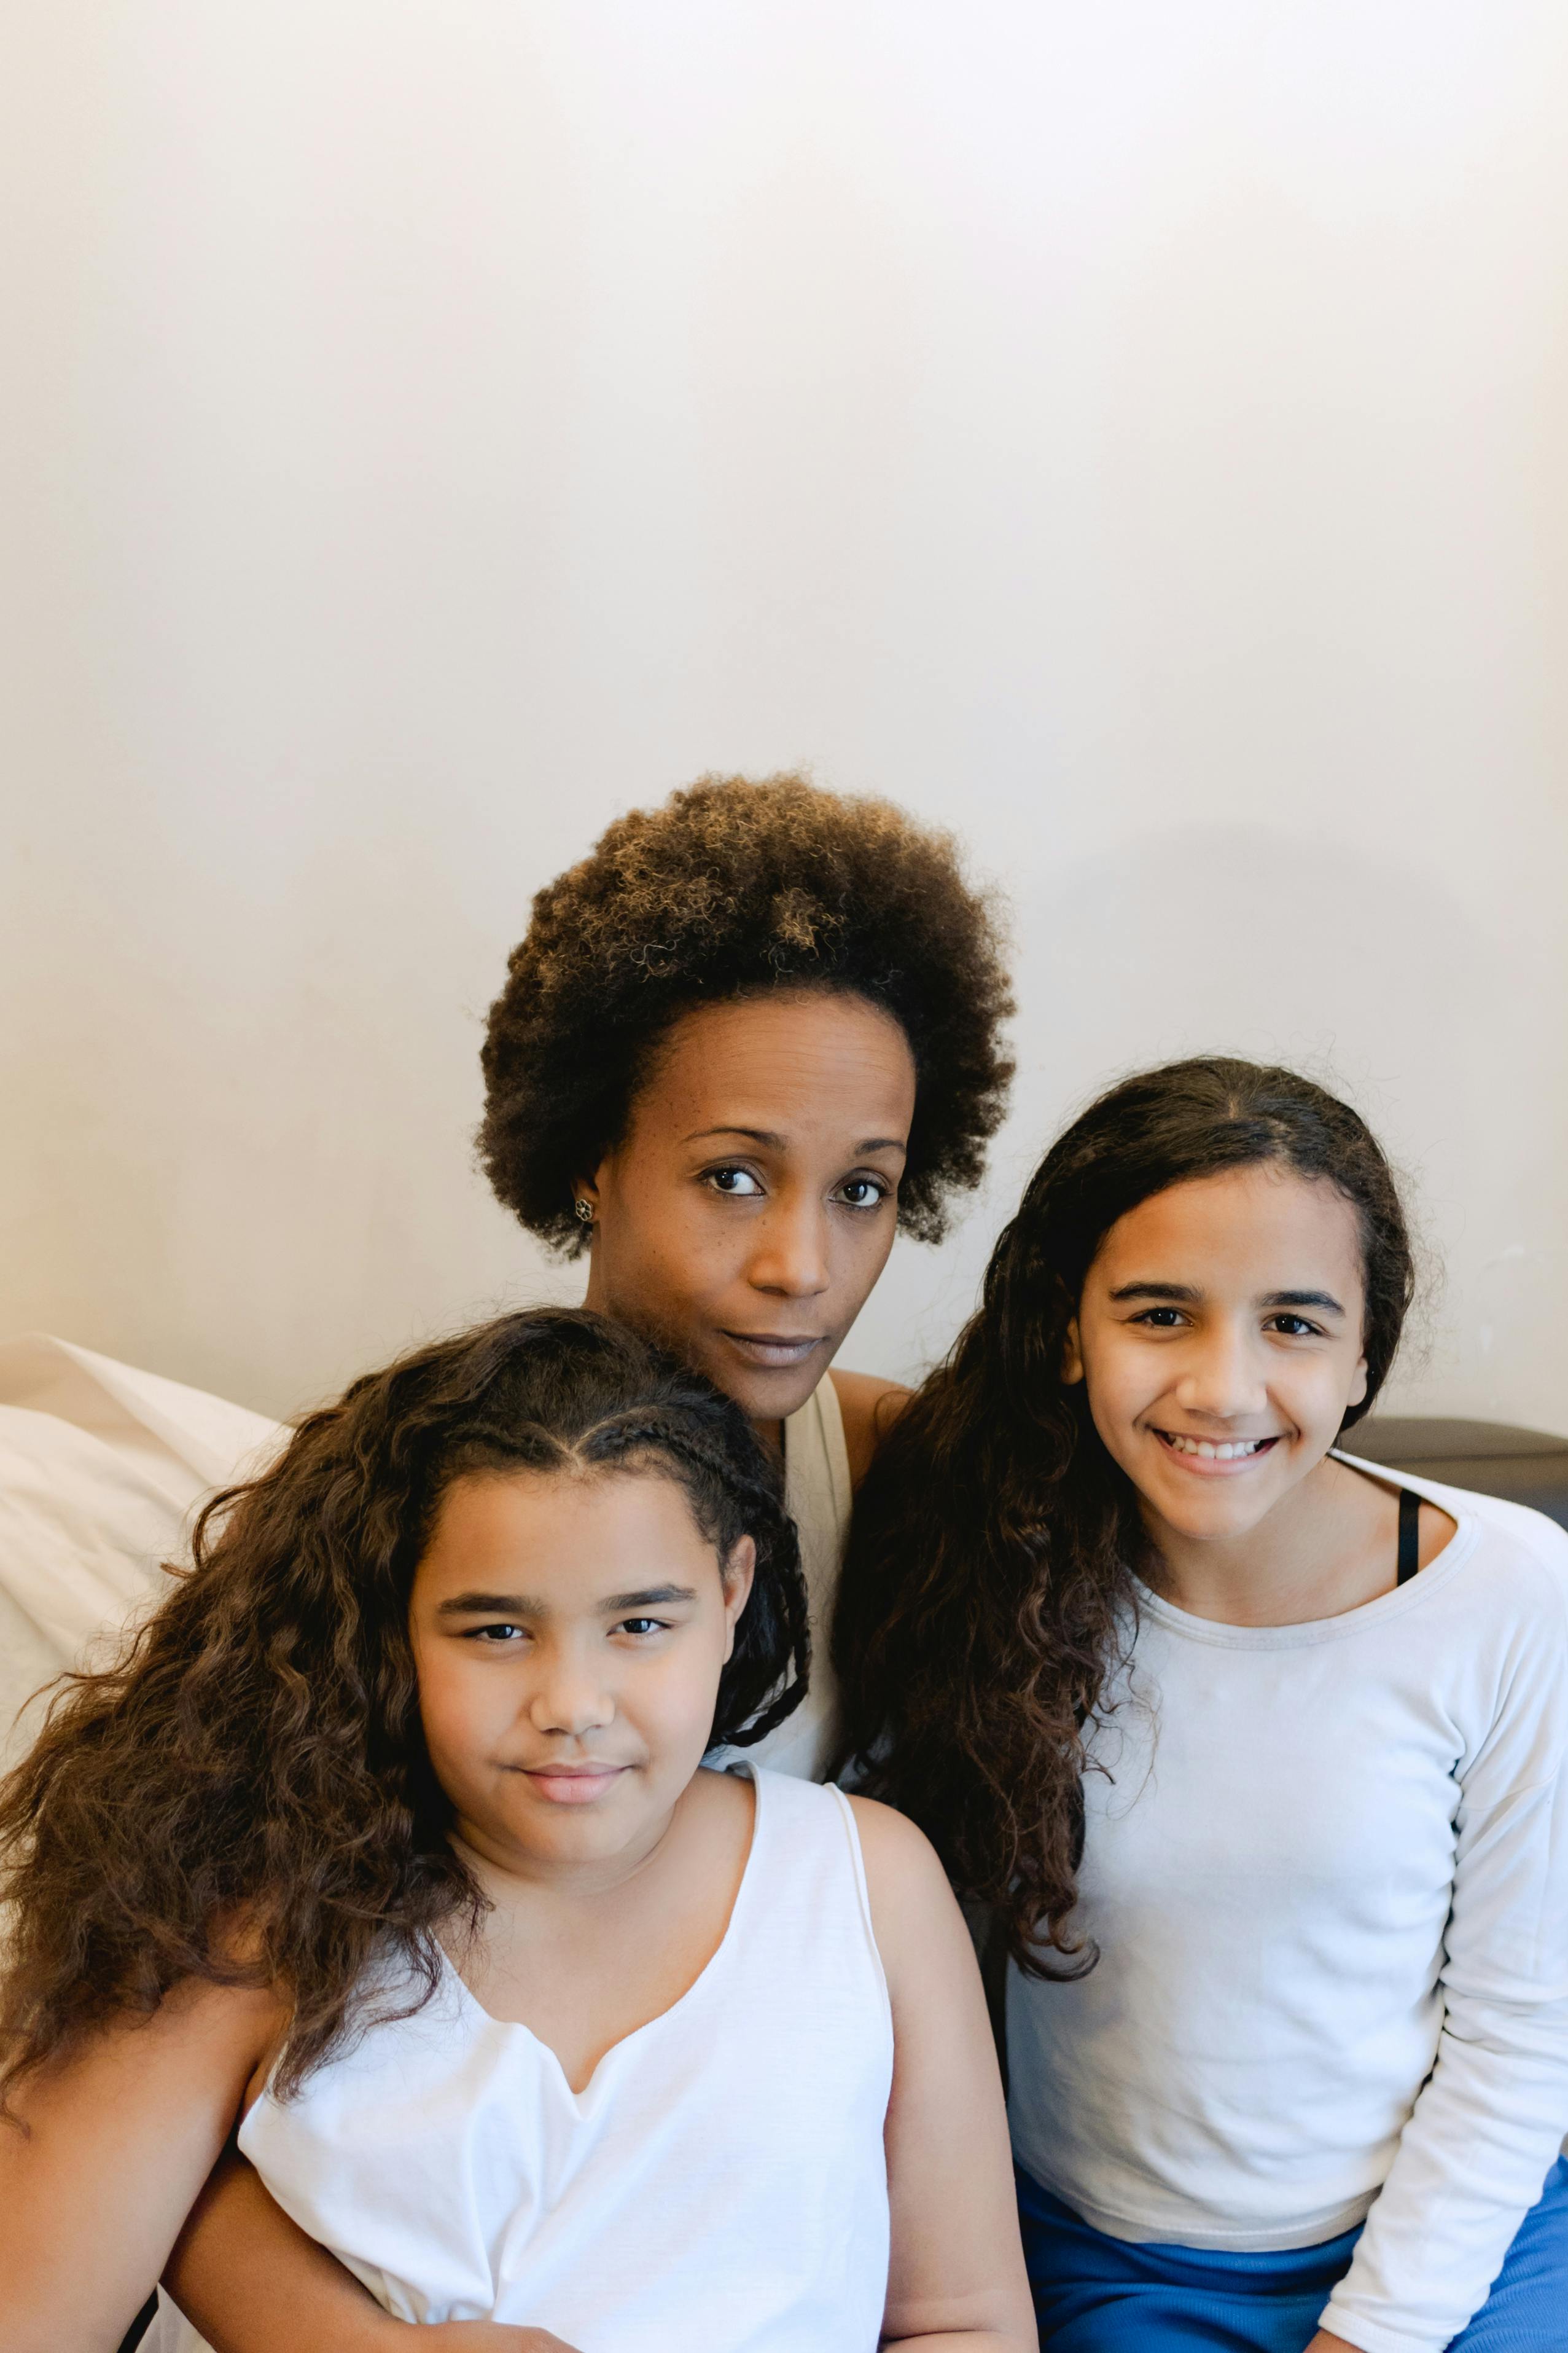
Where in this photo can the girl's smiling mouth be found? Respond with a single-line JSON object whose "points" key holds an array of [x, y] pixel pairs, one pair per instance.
{"points": [[1211, 1455]]}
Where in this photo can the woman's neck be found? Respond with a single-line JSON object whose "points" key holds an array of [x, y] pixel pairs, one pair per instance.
{"points": [[597, 1297], [772, 1434]]}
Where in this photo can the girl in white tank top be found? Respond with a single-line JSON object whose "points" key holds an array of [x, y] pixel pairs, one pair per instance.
{"points": [[738, 2174], [410, 1863]]}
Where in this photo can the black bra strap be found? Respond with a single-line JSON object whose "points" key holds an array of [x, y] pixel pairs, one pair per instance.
{"points": [[1409, 1536], [994, 1977]]}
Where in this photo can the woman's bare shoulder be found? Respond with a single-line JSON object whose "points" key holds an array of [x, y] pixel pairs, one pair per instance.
{"points": [[869, 1406]]}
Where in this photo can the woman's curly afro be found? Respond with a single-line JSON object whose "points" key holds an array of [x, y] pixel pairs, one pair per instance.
{"points": [[731, 888]]}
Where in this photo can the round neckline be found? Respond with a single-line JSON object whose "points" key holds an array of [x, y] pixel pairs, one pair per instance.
{"points": [[1220, 1635], [469, 2000]]}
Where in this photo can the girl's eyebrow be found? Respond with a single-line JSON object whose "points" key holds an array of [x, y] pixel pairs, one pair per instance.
{"points": [[524, 1605], [1181, 1291], [470, 1604], [652, 1596], [1186, 1295]]}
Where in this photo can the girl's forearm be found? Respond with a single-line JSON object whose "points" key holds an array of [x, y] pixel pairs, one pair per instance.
{"points": [[251, 2281]]}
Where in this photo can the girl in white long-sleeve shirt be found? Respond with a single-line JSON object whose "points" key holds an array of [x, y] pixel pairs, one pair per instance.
{"points": [[1282, 1749]]}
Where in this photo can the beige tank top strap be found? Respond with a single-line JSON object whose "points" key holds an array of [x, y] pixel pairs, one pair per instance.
{"points": [[818, 1492], [817, 1498]]}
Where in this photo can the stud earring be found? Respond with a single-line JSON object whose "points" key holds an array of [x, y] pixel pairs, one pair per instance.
{"points": [[584, 1211]]}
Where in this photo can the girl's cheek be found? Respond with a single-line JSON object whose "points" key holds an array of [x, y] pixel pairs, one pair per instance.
{"points": [[455, 1713]]}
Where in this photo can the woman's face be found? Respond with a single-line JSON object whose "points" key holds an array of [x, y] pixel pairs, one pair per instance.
{"points": [[745, 1215]]}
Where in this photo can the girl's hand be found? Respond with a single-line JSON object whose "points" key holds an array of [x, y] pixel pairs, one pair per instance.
{"points": [[1325, 2343]]}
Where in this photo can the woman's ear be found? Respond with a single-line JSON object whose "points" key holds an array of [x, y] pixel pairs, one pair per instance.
{"points": [[737, 1572], [1072, 1356], [1358, 1385]]}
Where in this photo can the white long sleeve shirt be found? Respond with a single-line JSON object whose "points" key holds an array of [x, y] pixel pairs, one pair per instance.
{"points": [[1327, 1869]]}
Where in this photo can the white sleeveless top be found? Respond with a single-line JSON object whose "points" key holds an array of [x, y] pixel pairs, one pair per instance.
{"points": [[817, 1498], [720, 2182]]}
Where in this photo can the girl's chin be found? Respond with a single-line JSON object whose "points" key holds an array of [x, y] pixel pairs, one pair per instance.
{"points": [[1199, 1497]]}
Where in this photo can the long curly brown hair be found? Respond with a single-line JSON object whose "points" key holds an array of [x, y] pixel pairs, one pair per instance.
{"points": [[730, 889], [246, 1797], [988, 1595]]}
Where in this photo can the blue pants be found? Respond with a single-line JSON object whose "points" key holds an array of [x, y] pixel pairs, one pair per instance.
{"points": [[1095, 2294]]}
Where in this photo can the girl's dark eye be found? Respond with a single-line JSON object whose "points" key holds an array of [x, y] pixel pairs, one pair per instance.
{"points": [[642, 1625], [862, 1192], [735, 1184], [1295, 1327], [496, 1633], [1162, 1319]]}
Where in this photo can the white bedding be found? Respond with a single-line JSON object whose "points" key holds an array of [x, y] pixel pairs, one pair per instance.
{"points": [[101, 1469]]}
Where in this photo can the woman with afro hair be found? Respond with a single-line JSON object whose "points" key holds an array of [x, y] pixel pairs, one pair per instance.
{"points": [[749, 1038]]}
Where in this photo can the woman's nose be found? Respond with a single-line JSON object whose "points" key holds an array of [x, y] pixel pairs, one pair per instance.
{"points": [[790, 1254]]}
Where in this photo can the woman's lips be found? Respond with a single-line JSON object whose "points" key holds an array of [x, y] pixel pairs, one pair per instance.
{"points": [[572, 1784], [775, 1348]]}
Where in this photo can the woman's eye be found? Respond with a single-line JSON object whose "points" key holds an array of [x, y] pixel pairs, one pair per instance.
{"points": [[1160, 1319], [502, 1633], [735, 1184], [862, 1192], [642, 1625], [1294, 1327]]}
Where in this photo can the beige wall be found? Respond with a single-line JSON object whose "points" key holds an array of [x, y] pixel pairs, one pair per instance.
{"points": [[1133, 434]]}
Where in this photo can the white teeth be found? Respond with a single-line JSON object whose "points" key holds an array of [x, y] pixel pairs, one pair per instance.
{"points": [[1226, 1452]]}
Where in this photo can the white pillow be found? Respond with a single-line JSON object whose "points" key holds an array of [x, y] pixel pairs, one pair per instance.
{"points": [[101, 1469]]}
